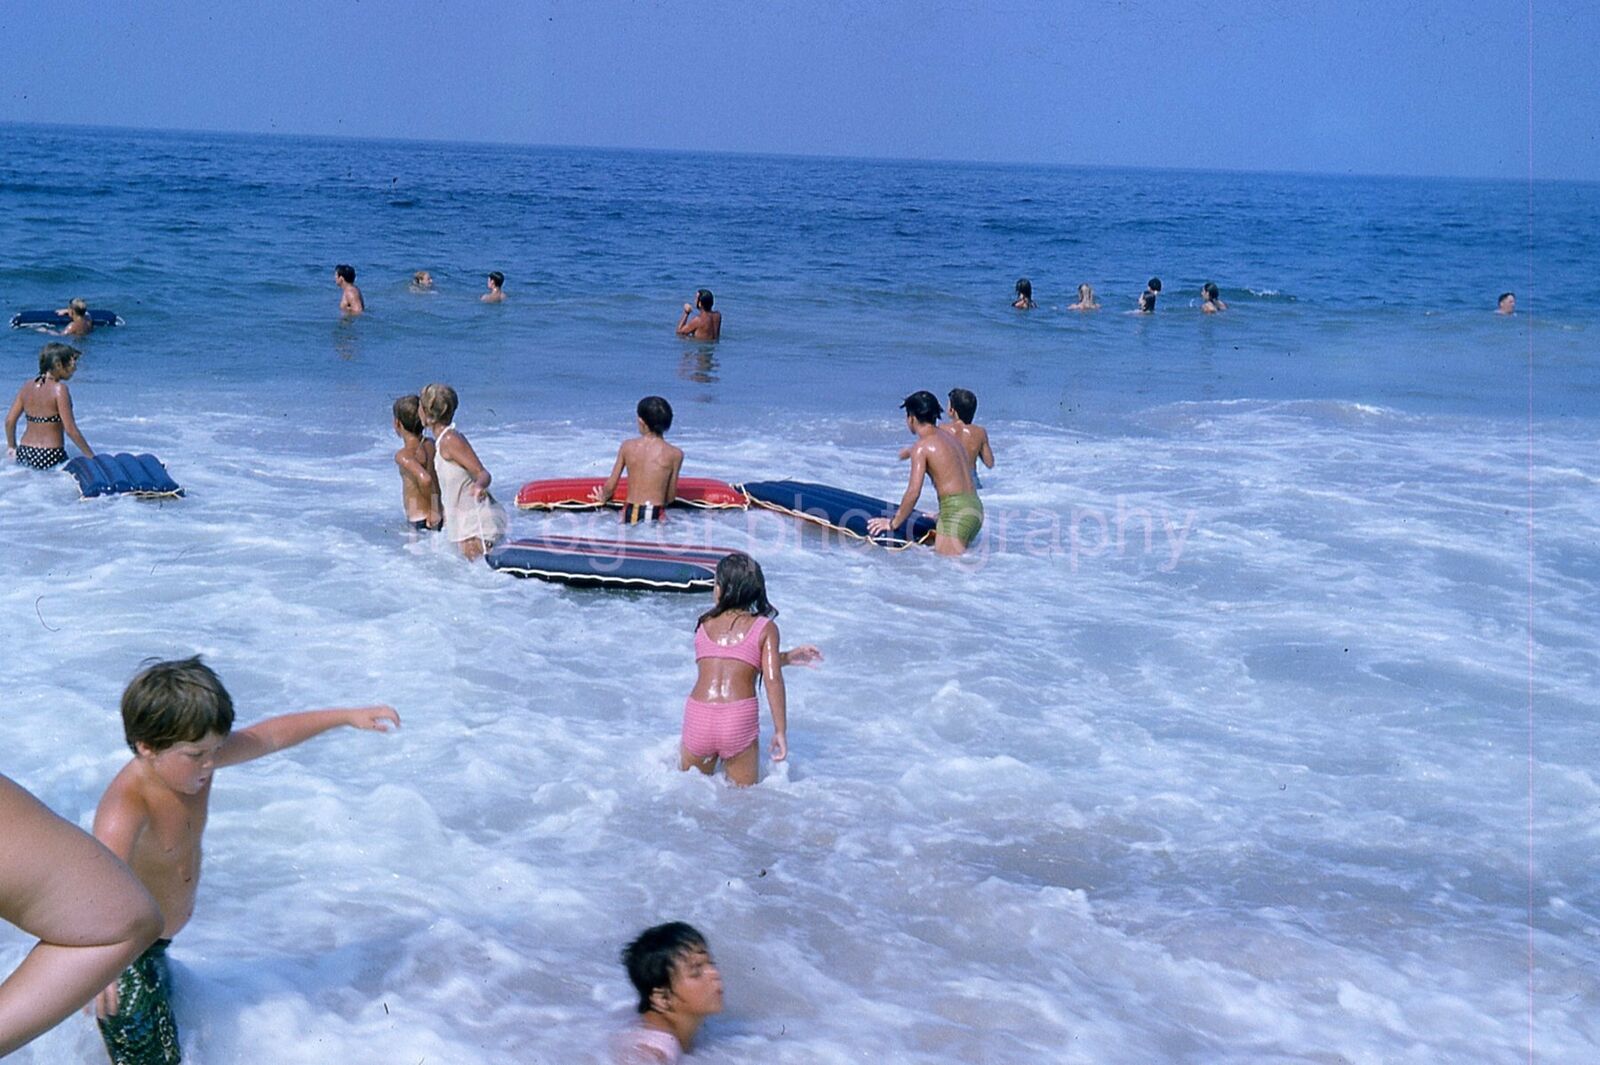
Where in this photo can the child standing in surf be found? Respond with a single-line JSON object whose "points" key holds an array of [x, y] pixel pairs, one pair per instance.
{"points": [[736, 644]]}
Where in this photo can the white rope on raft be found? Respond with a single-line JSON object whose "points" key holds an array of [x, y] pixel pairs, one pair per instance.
{"points": [[567, 576], [826, 524]]}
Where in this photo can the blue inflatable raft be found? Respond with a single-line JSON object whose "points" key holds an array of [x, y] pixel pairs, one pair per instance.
{"points": [[842, 511], [591, 563], [56, 320], [111, 475]]}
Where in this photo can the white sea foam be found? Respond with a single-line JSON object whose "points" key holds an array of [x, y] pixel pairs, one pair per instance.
{"points": [[1261, 795]]}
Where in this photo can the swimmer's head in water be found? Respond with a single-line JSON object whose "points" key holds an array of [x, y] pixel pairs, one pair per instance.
{"points": [[922, 406], [703, 299], [740, 586], [496, 278], [55, 357], [964, 403], [175, 702], [1209, 290], [1025, 288], [346, 273], [656, 413], [78, 307], [1085, 293], [422, 279], [1507, 302], [407, 413], [437, 404], [1154, 284], [652, 958]]}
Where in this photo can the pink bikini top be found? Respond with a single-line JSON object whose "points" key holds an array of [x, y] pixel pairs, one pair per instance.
{"points": [[747, 650]]}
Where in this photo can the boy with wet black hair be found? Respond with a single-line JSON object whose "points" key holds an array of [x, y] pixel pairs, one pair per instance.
{"points": [[974, 438], [1147, 298], [350, 301], [178, 721], [940, 457], [650, 464], [679, 986], [699, 321], [497, 288]]}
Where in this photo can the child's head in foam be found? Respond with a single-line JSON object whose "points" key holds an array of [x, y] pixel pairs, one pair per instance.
{"points": [[168, 703]]}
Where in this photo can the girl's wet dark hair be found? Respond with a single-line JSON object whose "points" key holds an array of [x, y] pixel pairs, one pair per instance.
{"points": [[651, 957], [740, 586], [57, 356], [1024, 288], [1209, 289]]}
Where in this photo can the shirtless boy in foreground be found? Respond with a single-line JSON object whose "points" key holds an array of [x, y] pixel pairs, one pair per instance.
{"points": [[419, 489], [940, 457], [650, 464], [178, 719]]}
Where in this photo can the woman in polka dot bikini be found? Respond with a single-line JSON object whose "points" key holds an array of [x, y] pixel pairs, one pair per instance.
{"points": [[47, 405]]}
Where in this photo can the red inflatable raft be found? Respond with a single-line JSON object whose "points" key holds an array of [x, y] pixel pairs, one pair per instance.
{"points": [[576, 493]]}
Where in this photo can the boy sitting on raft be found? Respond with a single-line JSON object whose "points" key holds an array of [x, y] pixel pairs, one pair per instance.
{"points": [[940, 457], [178, 720], [650, 464], [419, 489]]}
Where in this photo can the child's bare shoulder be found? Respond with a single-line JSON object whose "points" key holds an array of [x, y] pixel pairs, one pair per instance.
{"points": [[125, 797]]}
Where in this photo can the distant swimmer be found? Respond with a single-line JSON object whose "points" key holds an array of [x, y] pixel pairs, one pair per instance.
{"points": [[1086, 300], [650, 464], [699, 321], [79, 323], [88, 911], [422, 281], [679, 986], [735, 645], [47, 405], [419, 490], [1024, 300], [1210, 299], [473, 521], [942, 459], [350, 301], [1147, 298], [497, 288], [1507, 303]]}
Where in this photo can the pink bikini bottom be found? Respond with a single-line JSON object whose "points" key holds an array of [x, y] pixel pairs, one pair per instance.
{"points": [[721, 729]]}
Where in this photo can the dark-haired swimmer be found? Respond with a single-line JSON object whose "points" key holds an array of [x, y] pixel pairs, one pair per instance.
{"points": [[497, 288], [650, 464], [350, 301], [47, 405], [941, 458], [736, 643], [1024, 300], [679, 986], [1147, 298], [699, 321], [419, 489], [1210, 299], [1507, 304]]}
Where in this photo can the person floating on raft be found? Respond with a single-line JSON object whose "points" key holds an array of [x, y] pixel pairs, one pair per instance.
{"points": [[942, 459]]}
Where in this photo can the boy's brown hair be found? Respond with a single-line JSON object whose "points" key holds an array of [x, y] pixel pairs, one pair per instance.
{"points": [[175, 702], [406, 413]]}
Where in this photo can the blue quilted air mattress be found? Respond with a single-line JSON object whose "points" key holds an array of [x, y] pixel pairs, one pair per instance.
{"points": [[591, 563], [110, 475], [55, 320], [846, 512]]}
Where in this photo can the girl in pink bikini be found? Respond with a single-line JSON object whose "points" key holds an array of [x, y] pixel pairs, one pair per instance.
{"points": [[736, 643]]}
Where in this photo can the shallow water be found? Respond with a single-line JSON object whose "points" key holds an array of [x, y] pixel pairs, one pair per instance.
{"points": [[1306, 772]]}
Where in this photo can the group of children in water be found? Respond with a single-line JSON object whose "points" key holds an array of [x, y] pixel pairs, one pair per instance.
{"points": [[1210, 298]]}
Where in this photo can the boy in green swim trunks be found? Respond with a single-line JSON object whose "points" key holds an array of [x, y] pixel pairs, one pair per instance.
{"points": [[941, 458], [178, 719]]}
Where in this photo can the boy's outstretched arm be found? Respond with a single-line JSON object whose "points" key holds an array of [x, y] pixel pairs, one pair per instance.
{"points": [[286, 730]]}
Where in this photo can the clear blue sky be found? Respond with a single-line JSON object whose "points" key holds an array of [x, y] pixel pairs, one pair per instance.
{"points": [[1362, 87]]}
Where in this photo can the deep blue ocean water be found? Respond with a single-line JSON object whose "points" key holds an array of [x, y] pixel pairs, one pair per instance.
{"points": [[1259, 727]]}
